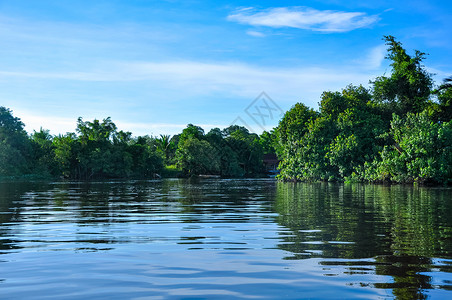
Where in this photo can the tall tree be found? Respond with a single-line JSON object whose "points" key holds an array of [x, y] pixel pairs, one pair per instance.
{"points": [[15, 148], [43, 153], [409, 86]]}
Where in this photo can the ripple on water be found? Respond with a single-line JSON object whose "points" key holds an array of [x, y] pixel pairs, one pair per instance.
{"points": [[224, 239]]}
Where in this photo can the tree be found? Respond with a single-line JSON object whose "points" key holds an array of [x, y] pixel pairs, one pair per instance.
{"points": [[43, 151], [408, 88], [197, 157], [15, 148], [267, 140], [293, 125], [229, 162], [335, 144], [421, 151], [245, 149], [66, 150], [100, 151], [96, 131], [191, 131], [95, 155], [146, 161], [358, 124], [165, 145]]}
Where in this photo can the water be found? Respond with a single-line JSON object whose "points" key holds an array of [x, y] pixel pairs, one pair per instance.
{"points": [[223, 239]]}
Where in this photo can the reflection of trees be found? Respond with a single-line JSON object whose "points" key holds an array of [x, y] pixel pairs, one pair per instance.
{"points": [[222, 201], [8, 213], [406, 271], [401, 227], [11, 207], [107, 208], [330, 213]]}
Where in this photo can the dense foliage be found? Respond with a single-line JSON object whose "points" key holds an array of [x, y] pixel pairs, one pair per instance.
{"points": [[393, 132], [231, 152], [98, 150], [15, 147]]}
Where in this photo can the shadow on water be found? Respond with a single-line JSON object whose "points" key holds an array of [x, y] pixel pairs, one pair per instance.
{"points": [[400, 231]]}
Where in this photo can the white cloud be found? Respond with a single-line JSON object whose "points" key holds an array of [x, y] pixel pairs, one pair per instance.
{"points": [[376, 56], [304, 18], [199, 80], [373, 59], [255, 33], [194, 78], [34, 121]]}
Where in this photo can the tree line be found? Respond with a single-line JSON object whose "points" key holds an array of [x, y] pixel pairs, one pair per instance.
{"points": [[398, 130], [98, 150]]}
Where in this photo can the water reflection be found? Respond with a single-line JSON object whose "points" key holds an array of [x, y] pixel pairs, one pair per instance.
{"points": [[226, 238], [401, 228]]}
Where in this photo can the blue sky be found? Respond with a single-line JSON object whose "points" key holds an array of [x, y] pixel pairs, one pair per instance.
{"points": [[155, 66]]}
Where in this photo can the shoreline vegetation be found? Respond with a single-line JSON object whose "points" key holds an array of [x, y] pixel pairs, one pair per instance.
{"points": [[397, 131]]}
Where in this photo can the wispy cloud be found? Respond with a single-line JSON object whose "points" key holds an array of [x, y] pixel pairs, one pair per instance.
{"points": [[304, 18], [191, 79], [255, 33], [373, 59], [376, 56]]}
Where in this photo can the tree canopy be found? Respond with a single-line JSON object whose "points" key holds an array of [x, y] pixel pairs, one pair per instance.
{"points": [[394, 131]]}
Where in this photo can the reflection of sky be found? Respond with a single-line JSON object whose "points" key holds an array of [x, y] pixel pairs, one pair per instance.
{"points": [[208, 238], [173, 259]]}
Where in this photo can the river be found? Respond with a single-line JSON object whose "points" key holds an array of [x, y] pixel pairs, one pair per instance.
{"points": [[224, 239]]}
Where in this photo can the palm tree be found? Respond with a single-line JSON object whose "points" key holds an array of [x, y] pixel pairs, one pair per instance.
{"points": [[164, 144]]}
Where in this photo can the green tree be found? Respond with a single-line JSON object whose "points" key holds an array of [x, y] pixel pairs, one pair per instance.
{"points": [[267, 140], [246, 147], [66, 149], [196, 157], [408, 88], [146, 161], [101, 151], [191, 131], [95, 155], [335, 143], [421, 151], [165, 145], [293, 125], [229, 162], [15, 147], [359, 125], [43, 151]]}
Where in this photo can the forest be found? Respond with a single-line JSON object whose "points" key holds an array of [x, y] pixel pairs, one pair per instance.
{"points": [[97, 150], [398, 130]]}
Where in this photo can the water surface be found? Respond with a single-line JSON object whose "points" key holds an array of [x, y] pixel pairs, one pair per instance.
{"points": [[222, 239]]}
